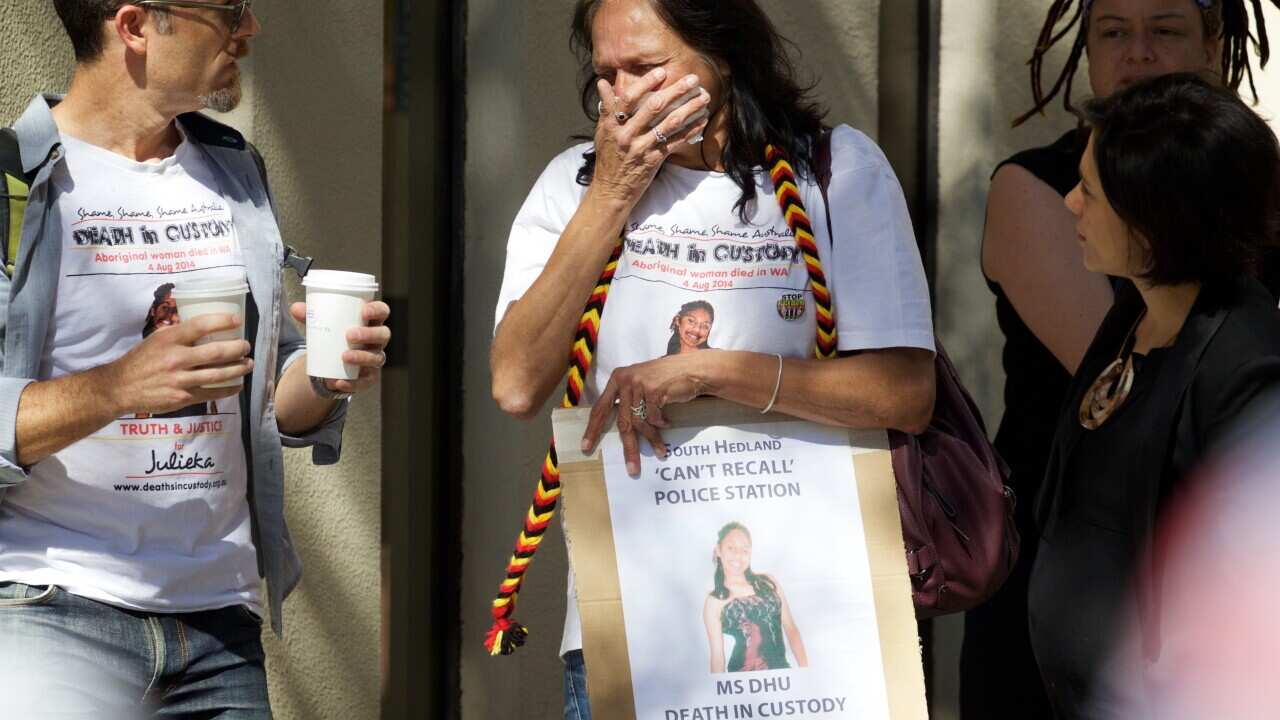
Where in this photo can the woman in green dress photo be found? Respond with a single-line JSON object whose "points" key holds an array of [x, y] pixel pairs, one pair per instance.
{"points": [[751, 608]]}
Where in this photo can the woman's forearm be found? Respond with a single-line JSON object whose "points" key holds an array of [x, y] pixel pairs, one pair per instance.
{"points": [[532, 342], [891, 388]]}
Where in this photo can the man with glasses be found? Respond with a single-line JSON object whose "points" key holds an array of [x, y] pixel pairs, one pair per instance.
{"points": [[236, 10], [133, 548]]}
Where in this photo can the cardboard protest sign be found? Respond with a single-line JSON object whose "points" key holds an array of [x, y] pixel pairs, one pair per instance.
{"points": [[757, 572]]}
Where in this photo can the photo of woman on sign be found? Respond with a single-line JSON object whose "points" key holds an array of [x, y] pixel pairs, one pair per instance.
{"points": [[691, 327], [749, 607]]}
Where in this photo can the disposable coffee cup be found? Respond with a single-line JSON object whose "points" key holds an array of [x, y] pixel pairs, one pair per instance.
{"points": [[335, 304], [219, 292]]}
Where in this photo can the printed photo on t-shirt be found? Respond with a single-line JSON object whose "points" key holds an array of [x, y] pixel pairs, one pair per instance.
{"points": [[163, 313], [691, 327]]}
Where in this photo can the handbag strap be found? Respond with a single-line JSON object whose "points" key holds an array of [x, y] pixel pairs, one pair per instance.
{"points": [[506, 634]]}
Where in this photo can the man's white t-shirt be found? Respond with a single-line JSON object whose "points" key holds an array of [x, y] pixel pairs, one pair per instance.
{"points": [[148, 513], [686, 251]]}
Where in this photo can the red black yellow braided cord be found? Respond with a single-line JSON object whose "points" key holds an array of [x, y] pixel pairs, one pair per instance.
{"points": [[505, 635], [787, 191]]}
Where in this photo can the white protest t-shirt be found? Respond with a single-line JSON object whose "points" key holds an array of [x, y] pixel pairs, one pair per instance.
{"points": [[693, 275], [149, 513]]}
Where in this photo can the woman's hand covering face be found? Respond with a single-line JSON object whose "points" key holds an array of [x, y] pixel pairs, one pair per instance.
{"points": [[629, 147]]}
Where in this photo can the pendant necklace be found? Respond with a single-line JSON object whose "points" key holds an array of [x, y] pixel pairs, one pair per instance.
{"points": [[1107, 394]]}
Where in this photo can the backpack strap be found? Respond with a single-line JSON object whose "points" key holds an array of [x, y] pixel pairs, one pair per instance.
{"points": [[14, 188]]}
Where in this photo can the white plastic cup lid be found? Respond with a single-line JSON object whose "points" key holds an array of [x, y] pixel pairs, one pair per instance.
{"points": [[340, 280], [224, 281]]}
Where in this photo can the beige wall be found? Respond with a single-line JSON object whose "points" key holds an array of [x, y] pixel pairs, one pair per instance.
{"points": [[317, 116], [983, 85], [1268, 82], [34, 57], [521, 108], [314, 107]]}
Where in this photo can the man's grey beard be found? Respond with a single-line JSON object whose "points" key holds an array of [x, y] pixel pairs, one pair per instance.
{"points": [[223, 100]]}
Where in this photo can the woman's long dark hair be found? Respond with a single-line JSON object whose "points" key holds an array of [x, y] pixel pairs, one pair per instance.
{"points": [[1226, 18], [761, 584], [765, 101], [673, 345]]}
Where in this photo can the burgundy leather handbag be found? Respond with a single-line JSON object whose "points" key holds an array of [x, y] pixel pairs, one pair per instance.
{"points": [[957, 511]]}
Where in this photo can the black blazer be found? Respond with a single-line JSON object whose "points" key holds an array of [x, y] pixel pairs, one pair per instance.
{"points": [[1226, 354]]}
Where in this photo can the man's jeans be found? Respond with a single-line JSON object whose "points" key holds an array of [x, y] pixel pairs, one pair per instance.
{"points": [[63, 656], [576, 706]]}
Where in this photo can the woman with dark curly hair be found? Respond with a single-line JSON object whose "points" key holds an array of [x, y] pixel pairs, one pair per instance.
{"points": [[691, 327]]}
